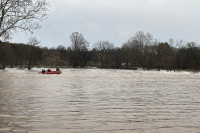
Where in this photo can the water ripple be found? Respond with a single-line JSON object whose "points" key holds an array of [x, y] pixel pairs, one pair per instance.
{"points": [[99, 101]]}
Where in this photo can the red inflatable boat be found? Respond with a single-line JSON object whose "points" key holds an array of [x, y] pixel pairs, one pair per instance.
{"points": [[52, 72]]}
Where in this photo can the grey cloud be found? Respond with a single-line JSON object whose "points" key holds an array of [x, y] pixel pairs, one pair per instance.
{"points": [[117, 20]]}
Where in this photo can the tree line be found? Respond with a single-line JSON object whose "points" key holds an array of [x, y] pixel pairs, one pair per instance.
{"points": [[140, 51]]}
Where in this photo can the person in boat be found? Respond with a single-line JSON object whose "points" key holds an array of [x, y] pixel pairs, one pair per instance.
{"points": [[48, 70], [43, 71], [57, 68]]}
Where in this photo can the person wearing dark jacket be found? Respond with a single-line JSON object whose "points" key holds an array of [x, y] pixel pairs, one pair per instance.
{"points": [[57, 68], [49, 70]]}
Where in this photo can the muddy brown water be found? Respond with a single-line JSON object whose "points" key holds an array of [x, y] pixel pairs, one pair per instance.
{"points": [[99, 101]]}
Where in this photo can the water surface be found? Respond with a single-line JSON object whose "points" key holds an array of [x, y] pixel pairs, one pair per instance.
{"points": [[99, 101]]}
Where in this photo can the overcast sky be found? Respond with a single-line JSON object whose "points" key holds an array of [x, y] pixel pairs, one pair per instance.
{"points": [[117, 21]]}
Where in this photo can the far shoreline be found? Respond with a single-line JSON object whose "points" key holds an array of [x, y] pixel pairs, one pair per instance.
{"points": [[79, 68]]}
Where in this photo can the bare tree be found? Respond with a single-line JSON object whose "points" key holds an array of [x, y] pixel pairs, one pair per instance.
{"points": [[194, 52], [33, 42], [176, 43], [143, 39], [21, 14], [104, 47], [180, 43], [127, 54], [172, 42], [165, 56], [79, 47], [139, 44], [3, 54]]}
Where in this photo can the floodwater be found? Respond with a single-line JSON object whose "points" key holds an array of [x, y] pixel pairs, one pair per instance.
{"points": [[99, 101]]}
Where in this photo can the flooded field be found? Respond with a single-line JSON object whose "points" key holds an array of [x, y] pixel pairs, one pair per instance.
{"points": [[99, 101]]}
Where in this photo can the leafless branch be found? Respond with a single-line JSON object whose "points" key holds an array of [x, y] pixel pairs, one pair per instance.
{"points": [[21, 14]]}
